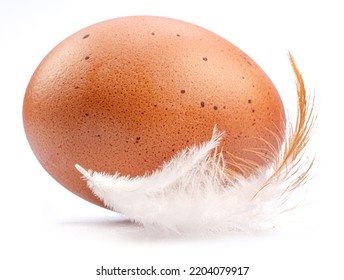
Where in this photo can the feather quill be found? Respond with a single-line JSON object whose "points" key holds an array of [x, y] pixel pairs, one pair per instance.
{"points": [[194, 192]]}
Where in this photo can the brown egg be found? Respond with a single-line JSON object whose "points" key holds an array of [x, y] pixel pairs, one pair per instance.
{"points": [[126, 95]]}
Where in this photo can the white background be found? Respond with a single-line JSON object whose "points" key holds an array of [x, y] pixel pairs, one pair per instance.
{"points": [[46, 232]]}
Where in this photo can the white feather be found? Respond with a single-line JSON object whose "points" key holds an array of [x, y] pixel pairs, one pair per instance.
{"points": [[191, 193], [194, 193]]}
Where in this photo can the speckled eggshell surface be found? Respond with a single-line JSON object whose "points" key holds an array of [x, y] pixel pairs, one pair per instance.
{"points": [[127, 94]]}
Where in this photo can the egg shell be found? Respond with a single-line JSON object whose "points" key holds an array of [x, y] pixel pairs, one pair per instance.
{"points": [[125, 95]]}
